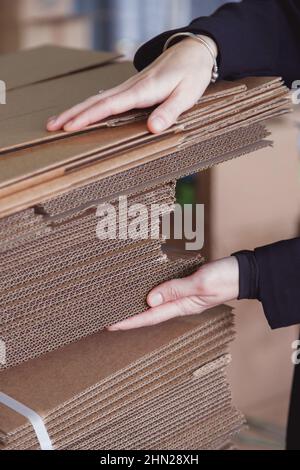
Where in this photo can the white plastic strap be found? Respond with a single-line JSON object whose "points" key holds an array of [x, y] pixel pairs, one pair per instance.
{"points": [[36, 421]]}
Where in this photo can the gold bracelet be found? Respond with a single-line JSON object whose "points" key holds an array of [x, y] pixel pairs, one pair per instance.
{"points": [[215, 72]]}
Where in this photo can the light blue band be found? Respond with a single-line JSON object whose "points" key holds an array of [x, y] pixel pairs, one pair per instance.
{"points": [[36, 421]]}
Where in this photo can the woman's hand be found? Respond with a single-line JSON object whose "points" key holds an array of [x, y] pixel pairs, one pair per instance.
{"points": [[175, 81], [212, 285]]}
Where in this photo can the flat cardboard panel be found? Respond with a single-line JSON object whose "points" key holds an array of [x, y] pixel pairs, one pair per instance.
{"points": [[46, 62], [31, 162], [69, 371], [23, 122], [23, 164], [23, 119], [45, 191], [154, 371], [11, 203]]}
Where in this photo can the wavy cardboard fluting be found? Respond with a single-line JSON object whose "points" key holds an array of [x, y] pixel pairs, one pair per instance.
{"points": [[108, 364]]}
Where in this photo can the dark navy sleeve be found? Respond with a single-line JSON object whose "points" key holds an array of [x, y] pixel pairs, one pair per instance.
{"points": [[254, 37], [271, 274]]}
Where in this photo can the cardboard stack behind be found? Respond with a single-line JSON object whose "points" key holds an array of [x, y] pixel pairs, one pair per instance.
{"points": [[60, 284]]}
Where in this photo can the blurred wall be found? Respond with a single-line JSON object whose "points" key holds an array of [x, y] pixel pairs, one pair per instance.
{"points": [[103, 24], [125, 24]]}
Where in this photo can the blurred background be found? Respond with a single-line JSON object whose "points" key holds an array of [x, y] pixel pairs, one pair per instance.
{"points": [[249, 202], [102, 24]]}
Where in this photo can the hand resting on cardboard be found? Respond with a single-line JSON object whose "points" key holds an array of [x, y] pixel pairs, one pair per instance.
{"points": [[212, 285], [175, 82]]}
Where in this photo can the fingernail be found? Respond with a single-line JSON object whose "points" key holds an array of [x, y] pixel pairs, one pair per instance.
{"points": [[158, 124], [155, 300]]}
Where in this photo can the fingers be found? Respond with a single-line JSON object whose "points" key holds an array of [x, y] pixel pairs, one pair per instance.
{"points": [[140, 95], [110, 106], [172, 290], [176, 93], [155, 316], [167, 113], [56, 123], [150, 318]]}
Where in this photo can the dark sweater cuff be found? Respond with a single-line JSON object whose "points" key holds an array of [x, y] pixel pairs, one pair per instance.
{"points": [[271, 274], [249, 275], [279, 281]]}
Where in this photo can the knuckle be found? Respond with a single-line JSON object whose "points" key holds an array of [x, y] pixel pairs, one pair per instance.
{"points": [[172, 292], [144, 89], [148, 82]]}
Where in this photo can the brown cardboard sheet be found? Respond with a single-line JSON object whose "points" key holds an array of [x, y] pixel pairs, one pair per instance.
{"points": [[27, 111], [260, 102], [52, 96], [72, 427], [43, 63], [23, 123], [144, 430], [22, 165], [191, 413], [160, 409], [148, 172], [30, 383], [107, 164], [22, 323], [146, 378], [11, 203], [45, 101], [90, 309], [148, 399], [205, 437], [70, 232], [45, 191], [42, 159], [122, 404]]}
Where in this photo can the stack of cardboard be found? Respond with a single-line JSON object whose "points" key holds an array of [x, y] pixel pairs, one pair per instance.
{"points": [[168, 391], [60, 283]]}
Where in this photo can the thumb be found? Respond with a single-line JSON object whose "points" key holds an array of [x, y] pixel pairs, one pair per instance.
{"points": [[165, 115], [172, 290]]}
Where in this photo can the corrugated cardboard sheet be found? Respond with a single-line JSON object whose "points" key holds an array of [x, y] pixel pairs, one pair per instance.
{"points": [[171, 380]]}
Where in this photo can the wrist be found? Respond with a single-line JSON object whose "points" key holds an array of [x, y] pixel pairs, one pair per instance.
{"points": [[220, 279], [205, 47], [197, 53]]}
